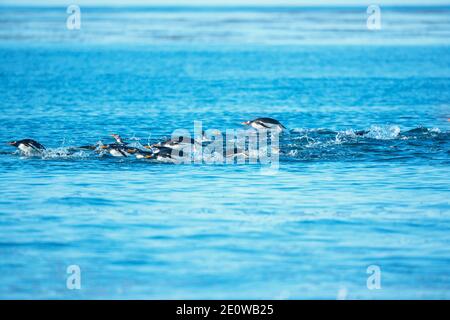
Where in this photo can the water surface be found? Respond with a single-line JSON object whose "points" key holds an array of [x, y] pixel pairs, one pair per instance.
{"points": [[363, 177]]}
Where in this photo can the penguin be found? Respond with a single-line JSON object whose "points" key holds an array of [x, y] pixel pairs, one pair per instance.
{"points": [[176, 143], [265, 124], [27, 146], [120, 148], [164, 154], [119, 142], [140, 154], [117, 150]]}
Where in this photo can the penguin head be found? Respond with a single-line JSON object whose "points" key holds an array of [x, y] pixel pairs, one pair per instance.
{"points": [[117, 137], [153, 146], [150, 156]]}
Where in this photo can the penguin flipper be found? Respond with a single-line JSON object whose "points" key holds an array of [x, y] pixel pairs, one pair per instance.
{"points": [[262, 124]]}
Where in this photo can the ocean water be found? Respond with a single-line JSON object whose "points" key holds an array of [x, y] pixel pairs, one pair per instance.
{"points": [[363, 177]]}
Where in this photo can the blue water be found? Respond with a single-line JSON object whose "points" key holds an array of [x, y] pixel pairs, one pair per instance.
{"points": [[339, 202]]}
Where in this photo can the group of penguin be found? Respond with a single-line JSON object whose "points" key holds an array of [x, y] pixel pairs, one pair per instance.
{"points": [[161, 151]]}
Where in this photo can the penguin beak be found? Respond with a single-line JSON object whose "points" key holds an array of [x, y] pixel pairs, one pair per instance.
{"points": [[12, 143], [103, 147], [147, 147], [245, 123]]}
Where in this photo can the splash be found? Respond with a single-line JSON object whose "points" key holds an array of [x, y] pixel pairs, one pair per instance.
{"points": [[64, 153], [374, 144], [318, 144], [383, 132]]}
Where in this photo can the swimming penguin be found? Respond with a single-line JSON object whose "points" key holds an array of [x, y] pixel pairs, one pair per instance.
{"points": [[118, 150], [265, 124], [176, 143], [122, 149], [119, 142], [28, 146], [164, 154], [141, 154]]}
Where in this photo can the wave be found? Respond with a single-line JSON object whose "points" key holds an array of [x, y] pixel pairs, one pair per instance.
{"points": [[376, 143]]}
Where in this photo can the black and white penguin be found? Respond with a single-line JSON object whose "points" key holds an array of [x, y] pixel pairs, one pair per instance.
{"points": [[117, 150], [119, 142], [123, 149], [141, 154], [177, 143], [28, 146], [164, 154], [265, 124], [181, 142]]}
